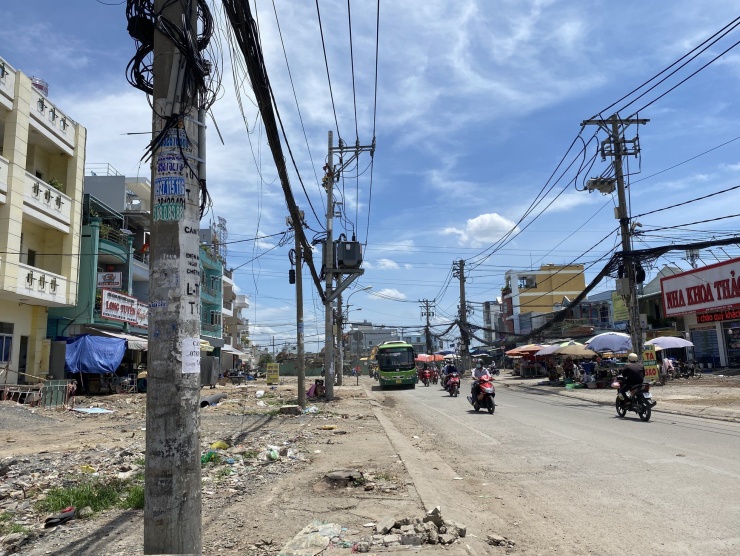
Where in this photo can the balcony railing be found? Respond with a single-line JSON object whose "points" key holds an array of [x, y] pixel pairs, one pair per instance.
{"points": [[228, 274], [228, 305], [212, 292], [141, 257], [210, 329], [41, 284], [60, 125], [113, 235], [41, 197]]}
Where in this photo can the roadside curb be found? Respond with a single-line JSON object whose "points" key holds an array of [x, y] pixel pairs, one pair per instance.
{"points": [[714, 413]]}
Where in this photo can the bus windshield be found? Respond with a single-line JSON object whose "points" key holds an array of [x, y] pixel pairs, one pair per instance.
{"points": [[401, 358]]}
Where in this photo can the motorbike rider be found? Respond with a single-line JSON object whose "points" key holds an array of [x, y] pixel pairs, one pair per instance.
{"points": [[633, 373], [449, 369], [478, 372]]}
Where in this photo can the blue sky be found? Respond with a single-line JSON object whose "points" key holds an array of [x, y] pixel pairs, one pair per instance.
{"points": [[477, 103]]}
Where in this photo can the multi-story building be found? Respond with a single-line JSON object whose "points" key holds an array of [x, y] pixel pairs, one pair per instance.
{"points": [[529, 293], [235, 326], [492, 323], [363, 337], [42, 161]]}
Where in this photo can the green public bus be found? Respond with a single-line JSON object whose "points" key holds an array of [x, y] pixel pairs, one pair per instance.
{"points": [[396, 365]]}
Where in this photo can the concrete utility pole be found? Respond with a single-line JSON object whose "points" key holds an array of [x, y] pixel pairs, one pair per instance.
{"points": [[352, 272], [617, 147], [459, 272], [426, 312], [172, 514], [329, 270], [340, 342], [299, 319]]}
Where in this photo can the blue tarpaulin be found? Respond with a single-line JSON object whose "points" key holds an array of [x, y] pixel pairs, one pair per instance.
{"points": [[94, 354]]}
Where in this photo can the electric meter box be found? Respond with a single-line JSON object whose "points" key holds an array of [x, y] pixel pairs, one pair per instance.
{"points": [[349, 254]]}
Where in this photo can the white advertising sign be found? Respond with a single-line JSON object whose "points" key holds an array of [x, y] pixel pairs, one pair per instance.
{"points": [[121, 307], [705, 289], [112, 280], [190, 355]]}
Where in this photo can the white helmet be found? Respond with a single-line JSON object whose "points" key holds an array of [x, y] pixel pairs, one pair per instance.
{"points": [[632, 357]]}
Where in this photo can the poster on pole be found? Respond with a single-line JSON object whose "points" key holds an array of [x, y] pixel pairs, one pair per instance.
{"points": [[649, 361], [273, 373]]}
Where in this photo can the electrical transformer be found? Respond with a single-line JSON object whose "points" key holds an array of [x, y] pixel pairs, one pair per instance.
{"points": [[349, 254]]}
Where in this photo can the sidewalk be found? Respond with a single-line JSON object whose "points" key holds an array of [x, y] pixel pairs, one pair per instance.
{"points": [[711, 397]]}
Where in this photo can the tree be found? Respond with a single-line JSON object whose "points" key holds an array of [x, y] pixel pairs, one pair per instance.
{"points": [[265, 358]]}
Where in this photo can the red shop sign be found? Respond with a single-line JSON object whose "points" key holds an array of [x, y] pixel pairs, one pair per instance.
{"points": [[719, 316]]}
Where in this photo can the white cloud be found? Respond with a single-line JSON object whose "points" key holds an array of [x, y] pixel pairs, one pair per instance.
{"points": [[482, 230], [408, 266], [391, 293], [385, 264]]}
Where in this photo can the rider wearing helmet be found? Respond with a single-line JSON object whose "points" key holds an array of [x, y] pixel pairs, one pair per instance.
{"points": [[478, 372], [633, 373], [448, 370]]}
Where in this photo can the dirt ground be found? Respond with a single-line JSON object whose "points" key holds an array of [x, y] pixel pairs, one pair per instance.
{"points": [[250, 508], [254, 503]]}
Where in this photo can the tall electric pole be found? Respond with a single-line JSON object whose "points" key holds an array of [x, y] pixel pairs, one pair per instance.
{"points": [[427, 312], [172, 513], [617, 147], [340, 344], [329, 270], [301, 354], [459, 272]]}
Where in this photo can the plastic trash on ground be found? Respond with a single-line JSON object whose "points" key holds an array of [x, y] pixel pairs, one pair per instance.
{"points": [[259, 393]]}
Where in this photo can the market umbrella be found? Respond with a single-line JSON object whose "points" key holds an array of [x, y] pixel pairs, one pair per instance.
{"points": [[424, 358], [669, 342], [529, 349], [610, 341], [574, 349], [547, 350]]}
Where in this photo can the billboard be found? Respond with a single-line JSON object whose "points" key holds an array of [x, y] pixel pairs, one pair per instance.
{"points": [[110, 280], [124, 308], [705, 289]]}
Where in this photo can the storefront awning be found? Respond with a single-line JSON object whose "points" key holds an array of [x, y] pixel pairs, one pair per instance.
{"points": [[205, 346], [136, 343], [233, 351]]}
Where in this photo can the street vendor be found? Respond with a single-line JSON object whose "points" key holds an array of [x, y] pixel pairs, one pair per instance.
{"points": [[569, 367]]}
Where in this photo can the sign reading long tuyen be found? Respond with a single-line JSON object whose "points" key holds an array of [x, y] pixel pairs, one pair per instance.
{"points": [[705, 289], [117, 306]]}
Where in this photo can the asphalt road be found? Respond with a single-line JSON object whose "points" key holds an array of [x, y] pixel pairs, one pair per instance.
{"points": [[559, 474]]}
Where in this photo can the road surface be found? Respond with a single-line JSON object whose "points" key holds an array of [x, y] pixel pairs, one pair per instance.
{"points": [[556, 474]]}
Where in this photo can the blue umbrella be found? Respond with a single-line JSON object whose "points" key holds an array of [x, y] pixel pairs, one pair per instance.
{"points": [[669, 342], [610, 341]]}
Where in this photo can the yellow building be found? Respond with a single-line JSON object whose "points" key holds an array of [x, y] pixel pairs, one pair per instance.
{"points": [[42, 161], [536, 292]]}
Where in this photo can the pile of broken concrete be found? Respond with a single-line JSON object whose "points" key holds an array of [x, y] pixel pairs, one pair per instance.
{"points": [[431, 529]]}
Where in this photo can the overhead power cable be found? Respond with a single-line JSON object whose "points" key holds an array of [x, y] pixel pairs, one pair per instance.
{"points": [[247, 36], [326, 63]]}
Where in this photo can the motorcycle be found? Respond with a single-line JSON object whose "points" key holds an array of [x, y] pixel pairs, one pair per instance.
{"points": [[453, 384], [435, 376], [493, 370], [425, 375], [486, 393], [639, 399]]}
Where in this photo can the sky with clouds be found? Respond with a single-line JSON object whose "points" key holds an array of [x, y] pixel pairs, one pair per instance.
{"points": [[477, 102]]}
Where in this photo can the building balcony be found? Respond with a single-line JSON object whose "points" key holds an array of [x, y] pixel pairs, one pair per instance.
{"points": [[114, 242], [4, 163], [212, 330], [46, 205], [7, 84], [52, 122], [41, 285], [241, 301], [210, 295]]}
